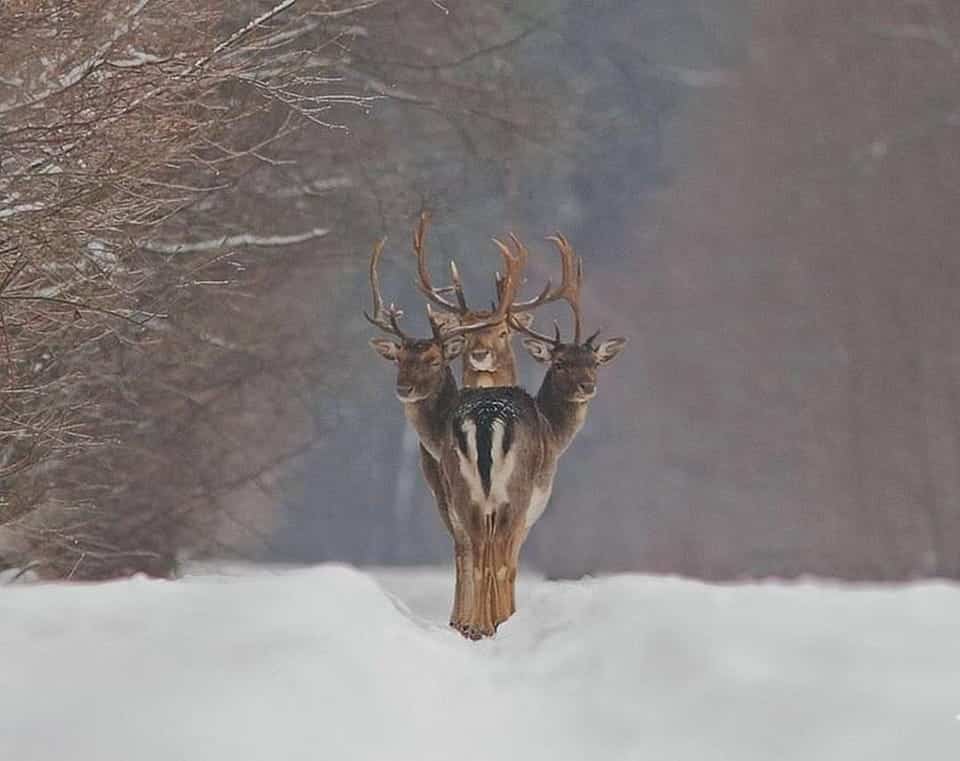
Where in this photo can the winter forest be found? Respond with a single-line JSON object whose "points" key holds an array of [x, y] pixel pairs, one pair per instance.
{"points": [[765, 492]]}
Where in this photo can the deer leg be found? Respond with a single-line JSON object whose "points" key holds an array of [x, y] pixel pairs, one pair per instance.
{"points": [[510, 536], [464, 592], [504, 578], [457, 588], [517, 537], [482, 620], [493, 580], [473, 615]]}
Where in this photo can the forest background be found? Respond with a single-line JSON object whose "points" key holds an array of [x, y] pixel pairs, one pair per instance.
{"points": [[763, 194]]}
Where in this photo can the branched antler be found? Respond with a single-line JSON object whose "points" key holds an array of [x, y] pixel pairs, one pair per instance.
{"points": [[383, 317], [568, 290], [507, 289], [425, 283], [569, 287], [386, 317], [507, 284]]}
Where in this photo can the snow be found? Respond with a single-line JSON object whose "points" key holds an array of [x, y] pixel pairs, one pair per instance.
{"points": [[334, 664]]}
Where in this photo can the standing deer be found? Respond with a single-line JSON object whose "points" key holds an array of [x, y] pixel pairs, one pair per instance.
{"points": [[501, 460], [488, 358], [427, 389]]}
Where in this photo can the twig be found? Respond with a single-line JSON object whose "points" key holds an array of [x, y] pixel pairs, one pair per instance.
{"points": [[231, 241]]}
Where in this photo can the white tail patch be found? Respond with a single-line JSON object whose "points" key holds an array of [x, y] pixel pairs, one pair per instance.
{"points": [[468, 462], [502, 469], [500, 472]]}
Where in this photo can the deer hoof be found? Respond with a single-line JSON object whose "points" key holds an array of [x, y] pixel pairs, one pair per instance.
{"points": [[472, 631]]}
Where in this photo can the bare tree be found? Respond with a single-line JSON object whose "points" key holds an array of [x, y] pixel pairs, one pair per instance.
{"points": [[120, 121]]}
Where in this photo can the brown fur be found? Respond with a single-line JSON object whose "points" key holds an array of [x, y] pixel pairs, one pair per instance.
{"points": [[428, 391], [491, 348], [491, 543], [483, 549]]}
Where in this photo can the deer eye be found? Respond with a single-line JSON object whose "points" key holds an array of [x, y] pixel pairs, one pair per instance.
{"points": [[503, 334]]}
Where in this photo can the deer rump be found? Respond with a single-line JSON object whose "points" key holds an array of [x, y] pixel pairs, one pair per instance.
{"points": [[494, 456], [493, 467]]}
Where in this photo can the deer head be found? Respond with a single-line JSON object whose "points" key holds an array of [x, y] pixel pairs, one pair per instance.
{"points": [[572, 373], [488, 358], [422, 364]]}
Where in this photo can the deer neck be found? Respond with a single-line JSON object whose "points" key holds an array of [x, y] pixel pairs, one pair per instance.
{"points": [[427, 416], [566, 418]]}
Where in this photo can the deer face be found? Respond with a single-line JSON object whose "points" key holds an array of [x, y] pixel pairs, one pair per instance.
{"points": [[573, 368], [421, 364], [489, 350]]}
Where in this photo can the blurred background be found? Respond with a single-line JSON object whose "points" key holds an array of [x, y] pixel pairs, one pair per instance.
{"points": [[764, 196]]}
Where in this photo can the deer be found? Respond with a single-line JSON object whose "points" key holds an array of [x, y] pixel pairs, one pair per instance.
{"points": [[427, 390], [488, 358], [500, 462]]}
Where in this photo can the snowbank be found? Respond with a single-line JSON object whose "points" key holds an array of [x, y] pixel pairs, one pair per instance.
{"points": [[330, 664]]}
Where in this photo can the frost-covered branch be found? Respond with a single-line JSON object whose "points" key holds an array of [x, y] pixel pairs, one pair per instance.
{"points": [[232, 241], [124, 125]]}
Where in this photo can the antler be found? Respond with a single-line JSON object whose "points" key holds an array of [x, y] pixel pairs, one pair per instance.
{"points": [[568, 290], [507, 287], [570, 280], [384, 318], [425, 284]]}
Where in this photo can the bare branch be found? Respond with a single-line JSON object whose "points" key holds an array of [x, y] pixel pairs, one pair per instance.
{"points": [[232, 241]]}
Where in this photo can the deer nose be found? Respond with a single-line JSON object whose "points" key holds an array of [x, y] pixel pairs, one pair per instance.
{"points": [[588, 388], [404, 391], [480, 354]]}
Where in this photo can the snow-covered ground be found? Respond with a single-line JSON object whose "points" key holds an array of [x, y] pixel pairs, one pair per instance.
{"points": [[332, 664]]}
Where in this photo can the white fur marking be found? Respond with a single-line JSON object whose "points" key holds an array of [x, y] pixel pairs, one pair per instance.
{"points": [[468, 463], [538, 503], [501, 470], [484, 365]]}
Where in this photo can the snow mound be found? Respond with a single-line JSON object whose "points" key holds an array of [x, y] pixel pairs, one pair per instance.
{"points": [[331, 664]]}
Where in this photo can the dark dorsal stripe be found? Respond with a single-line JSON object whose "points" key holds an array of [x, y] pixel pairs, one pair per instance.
{"points": [[484, 407]]}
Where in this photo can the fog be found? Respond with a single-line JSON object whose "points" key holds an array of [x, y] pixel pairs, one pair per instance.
{"points": [[763, 197]]}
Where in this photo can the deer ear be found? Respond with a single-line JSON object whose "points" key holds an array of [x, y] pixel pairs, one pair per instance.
{"points": [[386, 348], [538, 349], [453, 347], [609, 349], [525, 319], [444, 320]]}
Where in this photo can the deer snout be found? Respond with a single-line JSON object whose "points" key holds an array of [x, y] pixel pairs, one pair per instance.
{"points": [[404, 391], [482, 360], [588, 388]]}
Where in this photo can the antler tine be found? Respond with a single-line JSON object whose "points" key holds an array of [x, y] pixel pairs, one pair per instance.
{"points": [[522, 252], [424, 283], [507, 287], [384, 318], [457, 287], [568, 290], [568, 283], [555, 339], [509, 283]]}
